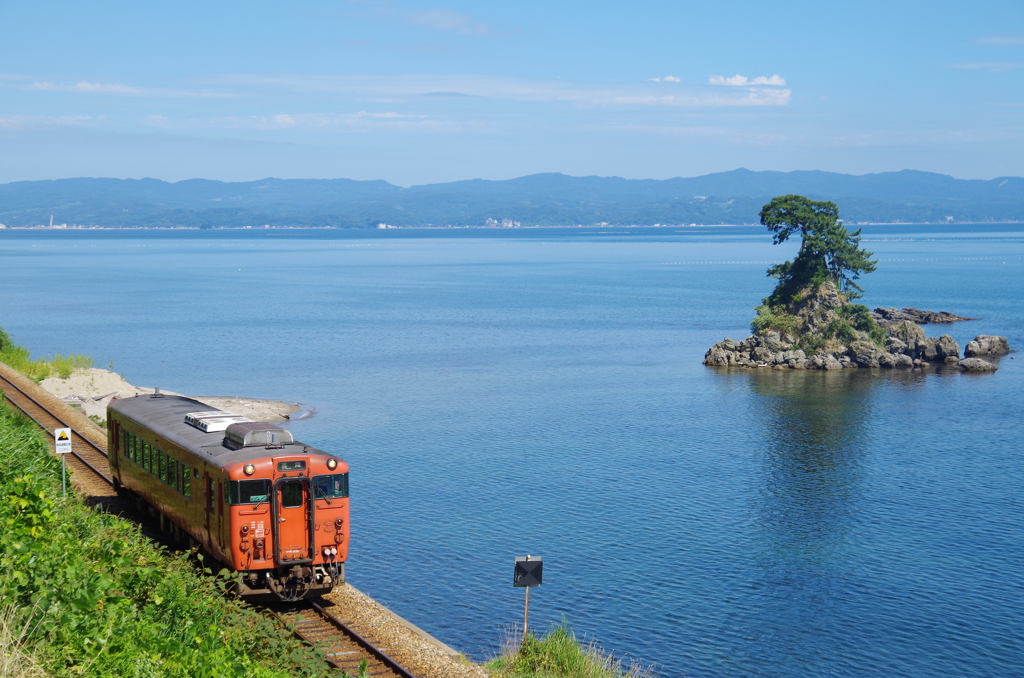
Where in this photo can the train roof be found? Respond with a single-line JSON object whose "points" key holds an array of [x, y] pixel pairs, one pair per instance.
{"points": [[164, 415]]}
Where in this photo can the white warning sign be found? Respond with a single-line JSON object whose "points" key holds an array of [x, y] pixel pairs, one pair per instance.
{"points": [[63, 438]]}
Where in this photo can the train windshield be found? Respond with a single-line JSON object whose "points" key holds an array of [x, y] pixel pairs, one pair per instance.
{"points": [[249, 491], [331, 486]]}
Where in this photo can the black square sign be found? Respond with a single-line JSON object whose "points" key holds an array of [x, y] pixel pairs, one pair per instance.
{"points": [[528, 572]]}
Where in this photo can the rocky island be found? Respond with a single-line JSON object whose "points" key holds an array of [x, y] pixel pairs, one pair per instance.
{"points": [[810, 321]]}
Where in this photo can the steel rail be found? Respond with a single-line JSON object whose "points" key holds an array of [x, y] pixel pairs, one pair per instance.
{"points": [[371, 649], [106, 478]]}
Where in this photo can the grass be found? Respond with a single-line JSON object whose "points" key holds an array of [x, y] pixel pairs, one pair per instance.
{"points": [[20, 359], [772, 319], [17, 656], [560, 654], [107, 602]]}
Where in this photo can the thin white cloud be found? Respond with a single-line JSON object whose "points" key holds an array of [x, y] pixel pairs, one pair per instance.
{"points": [[435, 18], [24, 121], [753, 97], [302, 121], [991, 67], [1001, 40], [671, 78], [394, 89], [743, 81], [716, 133], [89, 87], [446, 20], [103, 88], [927, 138]]}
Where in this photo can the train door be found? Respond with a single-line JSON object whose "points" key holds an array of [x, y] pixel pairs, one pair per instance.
{"points": [[210, 506], [114, 447], [292, 538]]}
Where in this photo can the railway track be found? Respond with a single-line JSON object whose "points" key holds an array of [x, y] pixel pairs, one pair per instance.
{"points": [[343, 647], [311, 621], [88, 459]]}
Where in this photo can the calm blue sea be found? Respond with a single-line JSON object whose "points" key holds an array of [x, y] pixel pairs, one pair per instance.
{"points": [[540, 391]]}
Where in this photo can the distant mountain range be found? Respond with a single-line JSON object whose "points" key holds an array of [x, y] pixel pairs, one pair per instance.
{"points": [[538, 200]]}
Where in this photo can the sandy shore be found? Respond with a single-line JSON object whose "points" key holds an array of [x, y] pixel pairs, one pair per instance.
{"points": [[92, 390]]}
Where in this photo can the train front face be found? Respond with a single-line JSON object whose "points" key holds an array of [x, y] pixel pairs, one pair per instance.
{"points": [[289, 529]]}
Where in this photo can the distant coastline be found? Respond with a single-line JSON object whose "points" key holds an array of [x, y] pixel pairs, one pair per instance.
{"points": [[540, 200], [82, 227]]}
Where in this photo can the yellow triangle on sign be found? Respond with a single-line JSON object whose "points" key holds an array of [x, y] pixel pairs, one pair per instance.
{"points": [[63, 435]]}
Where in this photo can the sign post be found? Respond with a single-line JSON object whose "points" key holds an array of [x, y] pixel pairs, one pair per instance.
{"points": [[63, 438], [529, 572]]}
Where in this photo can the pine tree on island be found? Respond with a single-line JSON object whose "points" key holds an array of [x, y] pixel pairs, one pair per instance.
{"points": [[827, 250], [810, 306]]}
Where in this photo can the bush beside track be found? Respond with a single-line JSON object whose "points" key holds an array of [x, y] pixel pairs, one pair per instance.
{"points": [[37, 370], [102, 600], [560, 654]]}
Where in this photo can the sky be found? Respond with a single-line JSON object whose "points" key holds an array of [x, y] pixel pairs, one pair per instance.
{"points": [[426, 91]]}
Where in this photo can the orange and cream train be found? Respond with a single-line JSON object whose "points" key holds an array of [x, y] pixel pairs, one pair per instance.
{"points": [[271, 509]]}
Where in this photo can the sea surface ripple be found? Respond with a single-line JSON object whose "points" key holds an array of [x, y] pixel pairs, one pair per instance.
{"points": [[541, 392]]}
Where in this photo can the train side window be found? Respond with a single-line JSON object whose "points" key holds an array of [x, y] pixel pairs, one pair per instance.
{"points": [[186, 482], [210, 497], [172, 472], [248, 491], [162, 459], [330, 486], [130, 438], [147, 460]]}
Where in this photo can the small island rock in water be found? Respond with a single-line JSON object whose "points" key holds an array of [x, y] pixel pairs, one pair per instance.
{"points": [[823, 331]]}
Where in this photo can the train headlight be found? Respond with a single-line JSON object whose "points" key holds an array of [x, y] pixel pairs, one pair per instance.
{"points": [[332, 464], [249, 469]]}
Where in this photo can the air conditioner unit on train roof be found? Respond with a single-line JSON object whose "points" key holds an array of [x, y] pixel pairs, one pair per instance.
{"points": [[214, 420], [257, 433]]}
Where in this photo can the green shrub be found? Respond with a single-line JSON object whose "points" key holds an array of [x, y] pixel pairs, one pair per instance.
{"points": [[772, 319], [108, 602], [559, 654], [19, 359], [839, 329], [860, 317]]}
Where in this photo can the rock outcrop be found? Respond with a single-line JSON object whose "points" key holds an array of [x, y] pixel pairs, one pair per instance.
{"points": [[987, 344], [820, 330], [769, 350], [976, 365], [889, 316]]}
